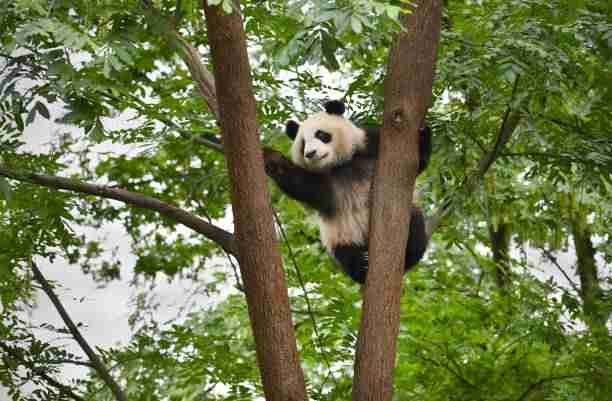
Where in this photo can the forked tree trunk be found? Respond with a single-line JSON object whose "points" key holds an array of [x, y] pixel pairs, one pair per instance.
{"points": [[258, 251], [407, 94]]}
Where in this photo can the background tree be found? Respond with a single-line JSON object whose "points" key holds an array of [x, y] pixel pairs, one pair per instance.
{"points": [[521, 148]]}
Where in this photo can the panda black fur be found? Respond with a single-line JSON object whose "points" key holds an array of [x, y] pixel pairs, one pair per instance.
{"points": [[332, 170]]}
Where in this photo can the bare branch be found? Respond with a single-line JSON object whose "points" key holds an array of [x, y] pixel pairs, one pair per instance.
{"points": [[510, 122], [204, 79], [51, 381], [457, 374], [540, 382], [190, 55], [96, 362], [553, 259], [70, 362], [214, 233]]}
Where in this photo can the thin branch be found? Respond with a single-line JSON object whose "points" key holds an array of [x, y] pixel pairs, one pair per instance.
{"points": [[189, 54], [306, 298], [62, 388], [212, 232], [510, 122], [566, 158], [446, 367], [538, 383], [204, 79], [70, 361], [141, 106], [553, 259], [96, 362]]}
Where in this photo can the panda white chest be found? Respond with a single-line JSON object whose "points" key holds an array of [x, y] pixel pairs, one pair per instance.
{"points": [[350, 223]]}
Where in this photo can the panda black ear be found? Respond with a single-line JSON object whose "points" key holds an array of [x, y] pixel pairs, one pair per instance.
{"points": [[335, 107], [291, 129]]}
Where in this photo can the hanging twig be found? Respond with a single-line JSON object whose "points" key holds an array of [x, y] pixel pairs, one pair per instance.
{"points": [[96, 362]]}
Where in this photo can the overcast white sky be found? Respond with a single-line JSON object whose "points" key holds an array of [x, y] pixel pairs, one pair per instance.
{"points": [[103, 311]]}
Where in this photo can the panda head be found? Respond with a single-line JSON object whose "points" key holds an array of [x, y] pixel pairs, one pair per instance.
{"points": [[324, 139]]}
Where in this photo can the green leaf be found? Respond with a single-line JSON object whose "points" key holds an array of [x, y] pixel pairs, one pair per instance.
{"points": [[228, 7], [5, 189], [356, 25], [41, 108]]}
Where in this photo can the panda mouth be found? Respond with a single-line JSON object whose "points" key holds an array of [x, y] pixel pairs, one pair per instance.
{"points": [[321, 158]]}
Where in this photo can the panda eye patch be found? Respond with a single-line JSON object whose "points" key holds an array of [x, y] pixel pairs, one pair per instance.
{"points": [[323, 136]]}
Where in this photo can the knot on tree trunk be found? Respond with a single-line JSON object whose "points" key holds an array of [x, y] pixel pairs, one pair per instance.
{"points": [[398, 118]]}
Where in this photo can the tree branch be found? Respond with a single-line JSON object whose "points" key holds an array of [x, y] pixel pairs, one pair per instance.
{"points": [[70, 361], [203, 78], [510, 122], [189, 54], [538, 383], [223, 238], [51, 381], [553, 259], [96, 362]]}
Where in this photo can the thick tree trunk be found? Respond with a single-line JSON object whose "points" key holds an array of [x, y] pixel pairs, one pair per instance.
{"points": [[258, 252], [407, 95]]}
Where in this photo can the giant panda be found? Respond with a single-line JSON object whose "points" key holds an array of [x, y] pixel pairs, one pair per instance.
{"points": [[331, 170]]}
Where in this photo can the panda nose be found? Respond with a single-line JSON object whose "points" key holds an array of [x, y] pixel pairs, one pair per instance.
{"points": [[311, 154]]}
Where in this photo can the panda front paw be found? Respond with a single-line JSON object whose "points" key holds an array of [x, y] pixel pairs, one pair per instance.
{"points": [[424, 147], [274, 162]]}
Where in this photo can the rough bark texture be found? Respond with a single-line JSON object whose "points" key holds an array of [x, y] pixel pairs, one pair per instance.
{"points": [[258, 251], [408, 87]]}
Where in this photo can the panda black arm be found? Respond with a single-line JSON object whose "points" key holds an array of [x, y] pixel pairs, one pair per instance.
{"points": [[372, 140], [312, 189], [424, 147]]}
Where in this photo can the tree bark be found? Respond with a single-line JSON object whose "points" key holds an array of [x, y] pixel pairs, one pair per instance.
{"points": [[223, 238], [258, 251], [586, 266], [500, 246], [407, 93]]}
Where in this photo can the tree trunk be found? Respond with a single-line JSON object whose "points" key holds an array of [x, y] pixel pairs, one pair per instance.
{"points": [[500, 245], [590, 290], [407, 95], [258, 251]]}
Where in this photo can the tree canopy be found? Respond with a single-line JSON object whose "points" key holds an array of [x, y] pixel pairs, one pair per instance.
{"points": [[520, 182]]}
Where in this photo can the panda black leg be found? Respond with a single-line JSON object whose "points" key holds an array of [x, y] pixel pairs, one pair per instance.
{"points": [[354, 260], [424, 147], [417, 240]]}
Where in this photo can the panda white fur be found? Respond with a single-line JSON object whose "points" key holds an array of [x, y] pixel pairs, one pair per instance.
{"points": [[332, 170]]}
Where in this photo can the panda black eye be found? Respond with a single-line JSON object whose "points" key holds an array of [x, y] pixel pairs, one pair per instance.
{"points": [[323, 136]]}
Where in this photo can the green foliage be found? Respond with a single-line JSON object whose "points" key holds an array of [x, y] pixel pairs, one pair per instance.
{"points": [[83, 64]]}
